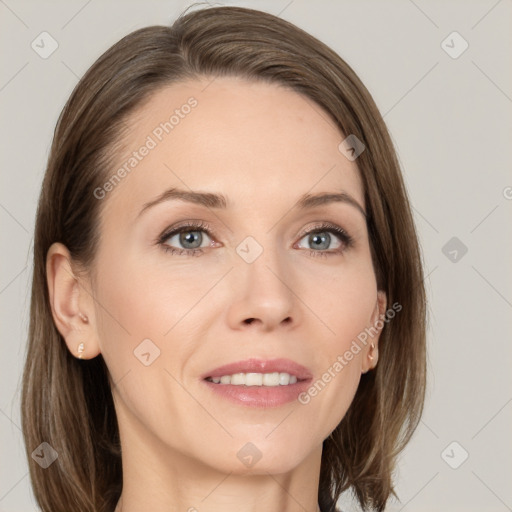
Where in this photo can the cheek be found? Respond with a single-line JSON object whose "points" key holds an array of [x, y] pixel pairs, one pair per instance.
{"points": [[127, 313], [344, 299], [144, 311], [140, 299], [345, 305]]}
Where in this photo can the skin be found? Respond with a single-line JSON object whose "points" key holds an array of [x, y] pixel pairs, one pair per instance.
{"points": [[262, 146]]}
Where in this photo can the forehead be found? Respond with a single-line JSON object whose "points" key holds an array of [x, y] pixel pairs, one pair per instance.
{"points": [[251, 141]]}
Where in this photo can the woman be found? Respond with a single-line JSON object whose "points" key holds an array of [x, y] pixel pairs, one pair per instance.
{"points": [[224, 250]]}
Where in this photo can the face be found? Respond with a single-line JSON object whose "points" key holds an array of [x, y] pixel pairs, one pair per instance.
{"points": [[260, 277]]}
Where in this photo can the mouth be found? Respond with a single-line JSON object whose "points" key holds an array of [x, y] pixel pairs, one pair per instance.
{"points": [[257, 379], [248, 371], [259, 383]]}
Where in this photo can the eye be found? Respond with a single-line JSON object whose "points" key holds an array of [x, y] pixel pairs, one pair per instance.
{"points": [[189, 238], [321, 239]]}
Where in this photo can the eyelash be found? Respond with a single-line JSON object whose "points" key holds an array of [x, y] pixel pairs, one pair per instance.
{"points": [[323, 227]]}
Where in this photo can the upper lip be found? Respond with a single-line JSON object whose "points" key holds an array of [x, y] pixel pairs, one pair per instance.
{"points": [[261, 366]]}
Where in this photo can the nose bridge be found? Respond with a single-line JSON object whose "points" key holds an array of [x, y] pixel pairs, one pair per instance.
{"points": [[262, 258], [261, 281]]}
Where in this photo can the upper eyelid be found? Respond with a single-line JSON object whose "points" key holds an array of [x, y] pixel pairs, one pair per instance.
{"points": [[322, 225], [190, 225]]}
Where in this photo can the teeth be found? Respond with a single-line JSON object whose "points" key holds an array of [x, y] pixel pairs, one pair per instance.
{"points": [[256, 379], [271, 379]]}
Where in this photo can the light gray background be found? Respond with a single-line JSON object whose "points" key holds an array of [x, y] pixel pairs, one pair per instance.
{"points": [[451, 122]]}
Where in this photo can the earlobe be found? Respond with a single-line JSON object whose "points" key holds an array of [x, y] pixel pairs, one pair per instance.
{"points": [[65, 300]]}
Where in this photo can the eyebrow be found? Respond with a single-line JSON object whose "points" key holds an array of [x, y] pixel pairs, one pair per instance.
{"points": [[219, 201]]}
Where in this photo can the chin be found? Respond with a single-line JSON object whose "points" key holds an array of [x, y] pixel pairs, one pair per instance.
{"points": [[264, 466], [262, 456]]}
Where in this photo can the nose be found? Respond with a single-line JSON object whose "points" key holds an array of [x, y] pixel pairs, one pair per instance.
{"points": [[263, 295]]}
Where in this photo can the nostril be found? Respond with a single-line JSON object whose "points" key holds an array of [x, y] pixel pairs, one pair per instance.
{"points": [[249, 320]]}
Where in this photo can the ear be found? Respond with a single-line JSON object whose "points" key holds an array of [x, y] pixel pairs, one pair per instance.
{"points": [[371, 351], [72, 305]]}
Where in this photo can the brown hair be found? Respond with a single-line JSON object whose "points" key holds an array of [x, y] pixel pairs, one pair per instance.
{"points": [[67, 402]]}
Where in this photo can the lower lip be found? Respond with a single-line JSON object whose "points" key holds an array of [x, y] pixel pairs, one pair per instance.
{"points": [[259, 396]]}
